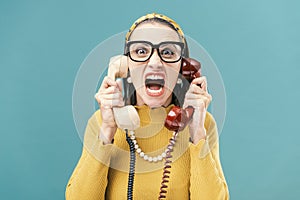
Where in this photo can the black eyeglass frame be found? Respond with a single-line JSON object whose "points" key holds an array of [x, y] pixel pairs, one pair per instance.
{"points": [[154, 46]]}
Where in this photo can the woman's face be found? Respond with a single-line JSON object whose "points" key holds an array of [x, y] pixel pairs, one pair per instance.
{"points": [[154, 79]]}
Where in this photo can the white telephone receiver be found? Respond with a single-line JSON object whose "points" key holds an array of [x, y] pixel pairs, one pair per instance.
{"points": [[126, 117]]}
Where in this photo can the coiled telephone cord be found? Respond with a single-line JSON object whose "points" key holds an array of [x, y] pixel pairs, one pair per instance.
{"points": [[132, 167], [167, 167], [166, 172]]}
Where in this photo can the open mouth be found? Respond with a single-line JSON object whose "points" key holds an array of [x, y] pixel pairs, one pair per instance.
{"points": [[154, 85]]}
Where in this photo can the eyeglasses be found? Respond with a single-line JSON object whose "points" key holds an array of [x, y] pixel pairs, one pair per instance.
{"points": [[141, 51]]}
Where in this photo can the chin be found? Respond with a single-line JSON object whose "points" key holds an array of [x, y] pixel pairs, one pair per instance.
{"points": [[155, 102], [154, 105]]}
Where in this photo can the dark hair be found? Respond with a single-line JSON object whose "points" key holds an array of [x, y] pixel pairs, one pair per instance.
{"points": [[179, 89]]}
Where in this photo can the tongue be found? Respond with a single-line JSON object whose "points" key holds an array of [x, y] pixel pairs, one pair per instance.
{"points": [[154, 87]]}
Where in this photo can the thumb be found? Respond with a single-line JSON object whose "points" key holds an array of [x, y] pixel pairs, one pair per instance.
{"points": [[119, 84]]}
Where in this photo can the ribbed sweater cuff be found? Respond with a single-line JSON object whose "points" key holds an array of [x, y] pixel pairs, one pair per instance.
{"points": [[93, 144]]}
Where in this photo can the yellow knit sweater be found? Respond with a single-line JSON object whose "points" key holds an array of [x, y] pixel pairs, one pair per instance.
{"points": [[102, 171]]}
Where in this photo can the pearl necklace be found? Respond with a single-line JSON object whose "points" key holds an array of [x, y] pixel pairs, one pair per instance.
{"points": [[155, 158]]}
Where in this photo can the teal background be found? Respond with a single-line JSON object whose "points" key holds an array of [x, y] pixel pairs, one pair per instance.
{"points": [[255, 45]]}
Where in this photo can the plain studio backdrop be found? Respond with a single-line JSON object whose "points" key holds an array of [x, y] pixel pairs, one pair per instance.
{"points": [[255, 45]]}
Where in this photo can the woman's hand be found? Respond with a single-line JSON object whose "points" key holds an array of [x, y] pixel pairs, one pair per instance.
{"points": [[109, 95], [199, 99]]}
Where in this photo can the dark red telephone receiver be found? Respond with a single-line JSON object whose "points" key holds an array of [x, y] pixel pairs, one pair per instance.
{"points": [[178, 118]]}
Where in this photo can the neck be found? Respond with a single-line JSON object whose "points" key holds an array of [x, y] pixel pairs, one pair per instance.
{"points": [[140, 102]]}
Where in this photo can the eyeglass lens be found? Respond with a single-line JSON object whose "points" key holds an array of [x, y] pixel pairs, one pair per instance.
{"points": [[142, 51]]}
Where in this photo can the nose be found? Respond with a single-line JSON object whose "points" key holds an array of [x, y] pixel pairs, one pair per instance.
{"points": [[155, 61]]}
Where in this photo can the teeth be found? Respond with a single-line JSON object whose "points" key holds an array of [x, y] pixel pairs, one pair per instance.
{"points": [[154, 91], [154, 77]]}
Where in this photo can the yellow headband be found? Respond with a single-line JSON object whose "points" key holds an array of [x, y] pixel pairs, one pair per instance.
{"points": [[153, 16]]}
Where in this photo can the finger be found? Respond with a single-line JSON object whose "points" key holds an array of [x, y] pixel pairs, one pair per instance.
{"points": [[206, 98], [209, 97], [120, 84], [111, 103], [105, 99], [194, 103], [198, 96], [206, 101], [202, 81], [195, 94], [98, 98], [195, 100], [121, 103], [109, 90], [111, 106], [107, 82], [112, 96], [196, 89]]}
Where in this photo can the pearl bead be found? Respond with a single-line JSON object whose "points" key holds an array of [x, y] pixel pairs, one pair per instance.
{"points": [[168, 150], [145, 157], [159, 157]]}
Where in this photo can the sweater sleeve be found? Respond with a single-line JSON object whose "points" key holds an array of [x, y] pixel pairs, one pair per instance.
{"points": [[89, 178], [207, 180]]}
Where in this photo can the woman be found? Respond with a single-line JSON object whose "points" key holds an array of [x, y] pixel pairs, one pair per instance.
{"points": [[190, 168]]}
